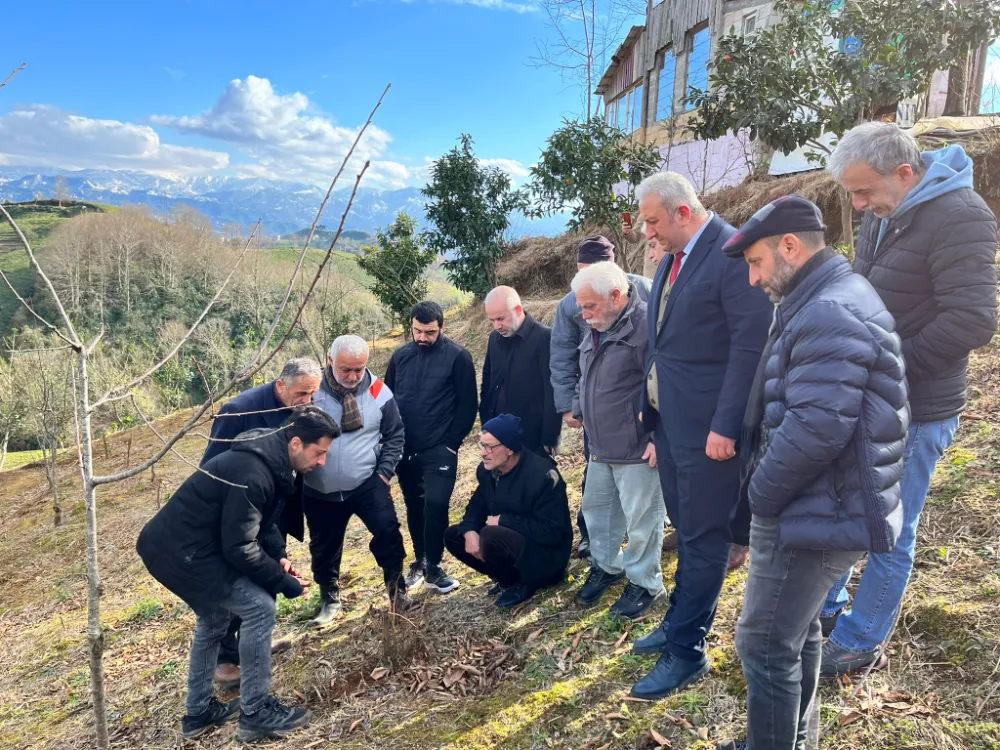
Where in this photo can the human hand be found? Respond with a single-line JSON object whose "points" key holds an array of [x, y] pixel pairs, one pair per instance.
{"points": [[650, 455], [570, 421], [387, 481], [472, 544], [720, 448], [493, 521]]}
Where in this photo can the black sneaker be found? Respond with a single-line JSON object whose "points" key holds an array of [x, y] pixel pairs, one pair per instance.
{"points": [[829, 623], [217, 714], [597, 583], [437, 579], [583, 548], [274, 720], [495, 590], [415, 576], [635, 601], [515, 595]]}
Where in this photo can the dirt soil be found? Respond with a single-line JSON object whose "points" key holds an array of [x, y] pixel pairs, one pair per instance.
{"points": [[456, 673]]}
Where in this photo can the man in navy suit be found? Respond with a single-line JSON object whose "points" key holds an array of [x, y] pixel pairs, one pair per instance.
{"points": [[707, 328]]}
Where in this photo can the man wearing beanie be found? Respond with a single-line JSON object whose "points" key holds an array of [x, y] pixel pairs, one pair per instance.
{"points": [[568, 331], [516, 528], [825, 425]]}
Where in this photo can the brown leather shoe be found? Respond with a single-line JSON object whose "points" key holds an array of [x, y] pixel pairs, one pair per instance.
{"points": [[227, 676], [738, 555], [281, 645], [670, 541]]}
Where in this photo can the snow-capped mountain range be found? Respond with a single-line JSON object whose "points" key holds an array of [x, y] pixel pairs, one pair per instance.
{"points": [[285, 207]]}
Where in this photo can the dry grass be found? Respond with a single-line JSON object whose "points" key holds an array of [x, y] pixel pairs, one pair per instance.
{"points": [[456, 673]]}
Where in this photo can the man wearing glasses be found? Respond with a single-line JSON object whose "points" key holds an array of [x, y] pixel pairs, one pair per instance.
{"points": [[516, 528]]}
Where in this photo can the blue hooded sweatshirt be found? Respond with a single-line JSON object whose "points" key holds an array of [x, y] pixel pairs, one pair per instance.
{"points": [[948, 169]]}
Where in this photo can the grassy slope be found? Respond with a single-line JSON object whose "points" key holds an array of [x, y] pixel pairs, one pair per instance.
{"points": [[36, 221], [459, 674]]}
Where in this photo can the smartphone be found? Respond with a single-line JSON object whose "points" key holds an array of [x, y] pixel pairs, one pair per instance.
{"points": [[627, 218]]}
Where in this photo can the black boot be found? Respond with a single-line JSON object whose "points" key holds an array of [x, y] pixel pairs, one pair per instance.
{"points": [[329, 603], [395, 586]]}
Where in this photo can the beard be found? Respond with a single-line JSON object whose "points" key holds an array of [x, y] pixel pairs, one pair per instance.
{"points": [[781, 278]]}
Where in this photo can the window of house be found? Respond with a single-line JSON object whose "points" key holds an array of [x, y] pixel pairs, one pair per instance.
{"points": [[636, 108], [697, 71], [665, 94], [749, 23]]}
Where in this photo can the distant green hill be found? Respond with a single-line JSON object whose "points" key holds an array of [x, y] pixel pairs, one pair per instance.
{"points": [[36, 219], [350, 240]]}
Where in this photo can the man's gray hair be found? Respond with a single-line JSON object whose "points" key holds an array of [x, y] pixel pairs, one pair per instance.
{"points": [[883, 146], [603, 278], [507, 294], [353, 345], [673, 190], [300, 367]]}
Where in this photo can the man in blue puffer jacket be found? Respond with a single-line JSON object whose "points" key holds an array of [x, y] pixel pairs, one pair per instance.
{"points": [[826, 426]]}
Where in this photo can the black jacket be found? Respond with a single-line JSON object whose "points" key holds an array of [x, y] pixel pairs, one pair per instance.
{"points": [[935, 269], [258, 409], [435, 390], [835, 416], [531, 500], [516, 381], [209, 533]]}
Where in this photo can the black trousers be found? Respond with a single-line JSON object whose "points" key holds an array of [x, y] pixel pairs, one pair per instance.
{"points": [[500, 547], [427, 479], [328, 518], [701, 497], [581, 524]]}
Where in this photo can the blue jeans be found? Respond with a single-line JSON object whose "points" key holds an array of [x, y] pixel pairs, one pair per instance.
{"points": [[880, 593], [256, 608], [779, 638]]}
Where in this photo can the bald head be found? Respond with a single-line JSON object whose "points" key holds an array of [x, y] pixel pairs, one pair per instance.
{"points": [[503, 308]]}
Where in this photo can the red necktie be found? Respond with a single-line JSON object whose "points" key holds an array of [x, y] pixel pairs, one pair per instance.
{"points": [[675, 268]]}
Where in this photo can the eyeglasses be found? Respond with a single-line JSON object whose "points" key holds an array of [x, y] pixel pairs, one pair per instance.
{"points": [[489, 446]]}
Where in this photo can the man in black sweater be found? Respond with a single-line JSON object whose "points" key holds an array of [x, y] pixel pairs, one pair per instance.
{"points": [[216, 545], [434, 382], [516, 375], [264, 407]]}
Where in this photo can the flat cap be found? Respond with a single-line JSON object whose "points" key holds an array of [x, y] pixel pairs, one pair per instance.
{"points": [[789, 214]]}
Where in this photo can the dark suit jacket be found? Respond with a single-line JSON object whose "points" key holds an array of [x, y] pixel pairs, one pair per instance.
{"points": [[519, 367], [708, 349]]}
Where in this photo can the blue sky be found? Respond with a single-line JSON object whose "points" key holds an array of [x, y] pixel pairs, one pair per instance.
{"points": [[275, 89]]}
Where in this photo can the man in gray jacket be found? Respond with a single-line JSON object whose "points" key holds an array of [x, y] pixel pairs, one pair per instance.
{"points": [[355, 479], [568, 331], [623, 492]]}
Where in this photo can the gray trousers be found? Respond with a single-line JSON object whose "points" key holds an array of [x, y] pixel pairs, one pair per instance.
{"points": [[620, 499], [256, 608], [779, 638]]}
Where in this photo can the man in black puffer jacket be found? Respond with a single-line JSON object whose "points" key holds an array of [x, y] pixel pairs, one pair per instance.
{"points": [[216, 546], [827, 417], [434, 382], [928, 245]]}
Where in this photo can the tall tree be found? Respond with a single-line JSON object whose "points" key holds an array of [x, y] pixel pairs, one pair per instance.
{"points": [[396, 263], [591, 169], [469, 208]]}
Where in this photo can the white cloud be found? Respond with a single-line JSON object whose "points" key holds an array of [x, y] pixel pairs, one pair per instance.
{"points": [[511, 166], [516, 7], [284, 137], [46, 136], [174, 73]]}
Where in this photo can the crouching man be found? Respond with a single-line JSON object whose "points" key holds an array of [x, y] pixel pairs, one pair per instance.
{"points": [[216, 546], [827, 417], [516, 528]]}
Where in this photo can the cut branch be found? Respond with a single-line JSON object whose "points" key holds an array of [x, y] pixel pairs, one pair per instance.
{"points": [[16, 71]]}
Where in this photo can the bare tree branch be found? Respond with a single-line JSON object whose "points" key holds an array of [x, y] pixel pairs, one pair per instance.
{"points": [[73, 340], [170, 355], [319, 273], [16, 71], [26, 306], [179, 455], [305, 247]]}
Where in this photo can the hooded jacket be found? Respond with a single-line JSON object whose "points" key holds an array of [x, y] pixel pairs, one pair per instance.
{"points": [[933, 263], [210, 533]]}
